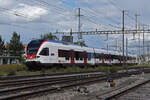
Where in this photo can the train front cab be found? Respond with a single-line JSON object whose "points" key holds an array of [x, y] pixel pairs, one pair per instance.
{"points": [[33, 60]]}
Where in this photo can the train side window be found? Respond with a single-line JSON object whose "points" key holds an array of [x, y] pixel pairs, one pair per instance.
{"points": [[66, 54], [60, 53], [96, 55], [81, 55], [45, 52], [100, 57], [106, 56], [89, 56], [92, 55], [118, 57], [113, 57], [77, 55]]}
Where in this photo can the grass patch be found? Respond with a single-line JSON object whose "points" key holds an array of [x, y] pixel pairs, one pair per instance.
{"points": [[81, 69], [13, 69], [7, 70]]}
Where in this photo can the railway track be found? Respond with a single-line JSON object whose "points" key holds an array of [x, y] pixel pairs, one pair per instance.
{"points": [[30, 81], [35, 80], [27, 88], [30, 90], [40, 89]]}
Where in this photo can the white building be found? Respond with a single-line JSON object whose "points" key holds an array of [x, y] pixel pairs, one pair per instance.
{"points": [[8, 60]]}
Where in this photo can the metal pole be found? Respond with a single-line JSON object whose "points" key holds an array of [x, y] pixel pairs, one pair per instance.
{"points": [[143, 45], [79, 25], [117, 44], [139, 45], [126, 47], [123, 13], [136, 20], [107, 44], [126, 50], [148, 50]]}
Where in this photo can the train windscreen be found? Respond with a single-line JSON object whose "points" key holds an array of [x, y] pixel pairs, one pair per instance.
{"points": [[33, 46]]}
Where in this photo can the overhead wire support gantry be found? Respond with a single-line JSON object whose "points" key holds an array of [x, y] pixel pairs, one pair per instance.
{"points": [[140, 31]]}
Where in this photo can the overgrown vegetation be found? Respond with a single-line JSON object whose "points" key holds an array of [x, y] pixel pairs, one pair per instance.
{"points": [[81, 43], [7, 70], [49, 36]]}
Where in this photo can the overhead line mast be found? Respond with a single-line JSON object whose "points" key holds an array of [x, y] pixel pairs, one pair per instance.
{"points": [[136, 19], [79, 24], [123, 32]]}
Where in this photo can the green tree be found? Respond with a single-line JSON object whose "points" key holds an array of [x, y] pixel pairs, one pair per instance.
{"points": [[15, 46], [81, 43], [2, 46], [49, 36]]}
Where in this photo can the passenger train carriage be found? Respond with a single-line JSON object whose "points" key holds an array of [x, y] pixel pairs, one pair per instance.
{"points": [[42, 53]]}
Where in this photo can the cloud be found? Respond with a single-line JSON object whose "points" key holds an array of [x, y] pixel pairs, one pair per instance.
{"points": [[29, 12], [4, 3], [39, 18]]}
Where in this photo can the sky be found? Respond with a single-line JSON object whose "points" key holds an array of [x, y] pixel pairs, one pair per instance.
{"points": [[31, 18]]}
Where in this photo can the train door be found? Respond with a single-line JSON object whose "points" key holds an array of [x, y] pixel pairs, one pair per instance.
{"points": [[53, 54], [85, 56], [72, 54]]}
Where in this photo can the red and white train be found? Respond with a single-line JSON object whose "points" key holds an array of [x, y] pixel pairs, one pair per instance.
{"points": [[49, 53]]}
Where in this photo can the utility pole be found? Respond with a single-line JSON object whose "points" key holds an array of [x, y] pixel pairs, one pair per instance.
{"points": [[143, 44], [123, 32], [136, 20], [107, 43], [136, 26], [148, 49], [126, 47], [107, 46], [79, 24], [117, 44], [71, 32]]}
